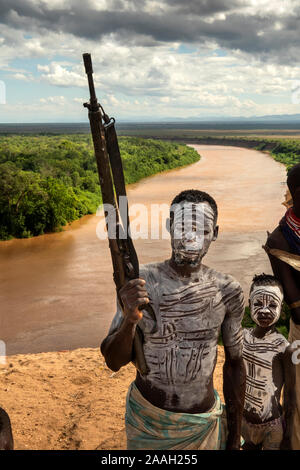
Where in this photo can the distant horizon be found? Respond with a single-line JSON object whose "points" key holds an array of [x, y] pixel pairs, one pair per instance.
{"points": [[294, 118], [161, 129]]}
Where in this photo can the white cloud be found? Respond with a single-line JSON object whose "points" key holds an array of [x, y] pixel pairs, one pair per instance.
{"points": [[60, 100], [265, 7], [61, 76], [51, 108], [23, 77], [43, 68], [78, 100], [143, 81]]}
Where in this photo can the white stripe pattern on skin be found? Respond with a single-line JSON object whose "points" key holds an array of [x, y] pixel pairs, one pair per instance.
{"points": [[259, 355]]}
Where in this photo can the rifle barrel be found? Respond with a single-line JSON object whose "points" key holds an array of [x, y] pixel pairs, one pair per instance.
{"points": [[87, 59], [109, 163]]}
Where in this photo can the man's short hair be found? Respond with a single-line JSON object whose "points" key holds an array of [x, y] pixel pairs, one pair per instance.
{"points": [[195, 196], [293, 178], [265, 280]]}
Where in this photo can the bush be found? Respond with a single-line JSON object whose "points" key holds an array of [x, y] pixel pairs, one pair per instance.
{"points": [[48, 181]]}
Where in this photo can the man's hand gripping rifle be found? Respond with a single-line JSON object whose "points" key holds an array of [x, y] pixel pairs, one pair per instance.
{"points": [[112, 183]]}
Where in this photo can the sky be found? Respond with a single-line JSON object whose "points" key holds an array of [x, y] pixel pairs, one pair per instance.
{"points": [[151, 59]]}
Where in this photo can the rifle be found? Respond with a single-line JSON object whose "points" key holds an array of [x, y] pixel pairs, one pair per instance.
{"points": [[112, 183]]}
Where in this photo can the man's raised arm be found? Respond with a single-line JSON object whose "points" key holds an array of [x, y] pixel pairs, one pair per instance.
{"points": [[117, 347], [234, 374]]}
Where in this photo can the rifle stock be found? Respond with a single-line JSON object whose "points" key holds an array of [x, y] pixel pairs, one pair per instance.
{"points": [[112, 183]]}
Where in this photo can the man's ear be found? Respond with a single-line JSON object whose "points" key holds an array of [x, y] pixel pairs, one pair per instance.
{"points": [[168, 222], [216, 232]]}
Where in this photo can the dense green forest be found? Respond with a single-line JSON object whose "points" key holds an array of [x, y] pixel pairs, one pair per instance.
{"points": [[287, 152], [48, 181]]}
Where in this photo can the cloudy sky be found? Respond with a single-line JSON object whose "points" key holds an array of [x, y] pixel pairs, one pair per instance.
{"points": [[166, 58]]}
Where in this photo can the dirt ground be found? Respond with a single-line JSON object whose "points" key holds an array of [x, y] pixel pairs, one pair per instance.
{"points": [[69, 400]]}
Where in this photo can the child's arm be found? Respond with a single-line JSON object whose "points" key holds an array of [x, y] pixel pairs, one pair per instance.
{"points": [[289, 397]]}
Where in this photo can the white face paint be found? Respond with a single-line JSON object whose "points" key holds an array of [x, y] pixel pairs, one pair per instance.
{"points": [[265, 305], [193, 232]]}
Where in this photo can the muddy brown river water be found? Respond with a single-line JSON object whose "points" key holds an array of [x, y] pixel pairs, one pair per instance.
{"points": [[57, 291]]}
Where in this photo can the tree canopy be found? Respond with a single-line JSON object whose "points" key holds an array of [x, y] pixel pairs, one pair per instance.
{"points": [[49, 181]]}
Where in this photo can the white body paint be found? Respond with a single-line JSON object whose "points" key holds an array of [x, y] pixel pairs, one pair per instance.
{"points": [[190, 312], [259, 355]]}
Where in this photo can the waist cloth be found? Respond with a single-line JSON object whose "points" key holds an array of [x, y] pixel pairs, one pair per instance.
{"points": [[152, 428]]}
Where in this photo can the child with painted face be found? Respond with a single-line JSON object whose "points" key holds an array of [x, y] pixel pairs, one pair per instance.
{"points": [[268, 359]]}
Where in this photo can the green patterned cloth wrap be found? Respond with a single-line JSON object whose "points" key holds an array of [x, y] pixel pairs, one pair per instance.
{"points": [[152, 428]]}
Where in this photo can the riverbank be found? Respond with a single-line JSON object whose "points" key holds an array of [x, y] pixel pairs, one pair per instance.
{"points": [[284, 150], [57, 289], [69, 400]]}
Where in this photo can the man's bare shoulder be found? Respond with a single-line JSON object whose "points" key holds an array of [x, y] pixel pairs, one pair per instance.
{"points": [[153, 272], [231, 290], [151, 269], [226, 283]]}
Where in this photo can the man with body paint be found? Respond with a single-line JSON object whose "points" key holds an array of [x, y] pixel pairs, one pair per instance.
{"points": [[283, 248], [175, 406], [269, 367]]}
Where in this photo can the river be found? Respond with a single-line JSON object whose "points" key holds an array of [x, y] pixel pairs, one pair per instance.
{"points": [[57, 291]]}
